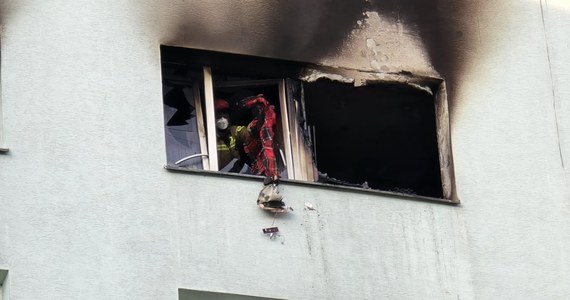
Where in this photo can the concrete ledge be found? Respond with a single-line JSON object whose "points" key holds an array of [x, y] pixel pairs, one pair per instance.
{"points": [[4, 150], [340, 188]]}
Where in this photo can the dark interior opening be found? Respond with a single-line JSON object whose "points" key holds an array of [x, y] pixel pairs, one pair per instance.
{"points": [[384, 135]]}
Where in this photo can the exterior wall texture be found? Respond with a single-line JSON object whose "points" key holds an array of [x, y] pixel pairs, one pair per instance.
{"points": [[87, 210]]}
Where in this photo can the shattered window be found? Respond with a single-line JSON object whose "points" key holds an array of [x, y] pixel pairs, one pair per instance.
{"points": [[182, 107], [386, 136]]}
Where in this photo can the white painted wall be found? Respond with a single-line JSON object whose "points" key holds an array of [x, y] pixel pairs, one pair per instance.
{"points": [[88, 212]]}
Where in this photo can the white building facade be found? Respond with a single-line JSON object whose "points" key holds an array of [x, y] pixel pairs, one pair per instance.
{"points": [[89, 211]]}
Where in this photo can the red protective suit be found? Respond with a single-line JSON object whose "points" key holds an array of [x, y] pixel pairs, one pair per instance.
{"points": [[259, 145]]}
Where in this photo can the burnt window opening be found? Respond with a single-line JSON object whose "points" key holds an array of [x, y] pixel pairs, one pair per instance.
{"points": [[386, 136], [380, 136]]}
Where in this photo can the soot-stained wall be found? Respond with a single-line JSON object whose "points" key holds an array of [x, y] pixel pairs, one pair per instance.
{"points": [[88, 211]]}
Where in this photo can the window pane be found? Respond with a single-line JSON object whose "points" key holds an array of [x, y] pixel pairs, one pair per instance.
{"points": [[181, 92]]}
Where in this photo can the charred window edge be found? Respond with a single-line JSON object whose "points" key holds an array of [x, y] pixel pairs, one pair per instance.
{"points": [[359, 78], [433, 86], [444, 144]]}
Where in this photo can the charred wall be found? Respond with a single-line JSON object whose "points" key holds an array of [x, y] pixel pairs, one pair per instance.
{"points": [[424, 37]]}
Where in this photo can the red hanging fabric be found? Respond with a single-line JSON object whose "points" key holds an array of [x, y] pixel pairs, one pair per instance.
{"points": [[259, 145]]}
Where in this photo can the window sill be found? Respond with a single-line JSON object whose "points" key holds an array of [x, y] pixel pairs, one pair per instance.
{"points": [[317, 184], [4, 150]]}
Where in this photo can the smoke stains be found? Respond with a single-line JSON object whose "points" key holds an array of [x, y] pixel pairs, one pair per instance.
{"points": [[294, 30], [376, 35]]}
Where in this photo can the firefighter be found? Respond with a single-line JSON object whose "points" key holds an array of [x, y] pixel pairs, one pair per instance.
{"points": [[251, 145], [230, 138]]}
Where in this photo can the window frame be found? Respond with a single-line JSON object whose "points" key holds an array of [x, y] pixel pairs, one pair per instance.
{"points": [[211, 139], [300, 152], [284, 115], [296, 167], [443, 133]]}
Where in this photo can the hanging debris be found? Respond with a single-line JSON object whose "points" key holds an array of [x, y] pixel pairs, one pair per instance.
{"points": [[273, 231]]}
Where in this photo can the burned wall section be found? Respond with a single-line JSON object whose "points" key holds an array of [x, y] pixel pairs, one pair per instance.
{"points": [[288, 29], [429, 38], [442, 25], [386, 36]]}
